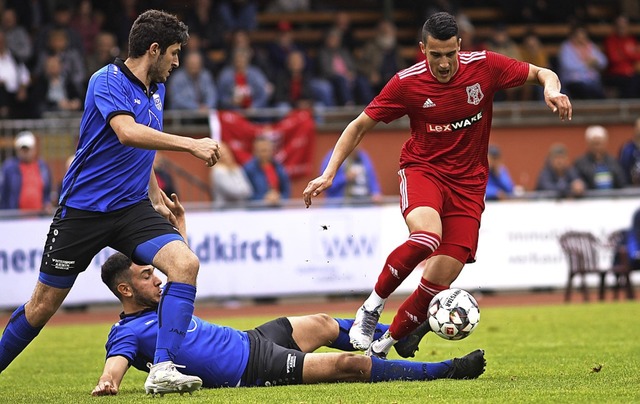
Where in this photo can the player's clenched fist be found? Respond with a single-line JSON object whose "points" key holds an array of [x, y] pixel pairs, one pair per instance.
{"points": [[206, 149]]}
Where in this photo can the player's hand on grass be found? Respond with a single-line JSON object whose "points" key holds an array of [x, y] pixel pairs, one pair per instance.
{"points": [[559, 103], [206, 149], [105, 388], [315, 187]]}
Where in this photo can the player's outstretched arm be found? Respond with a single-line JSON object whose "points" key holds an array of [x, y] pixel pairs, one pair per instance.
{"points": [[557, 101], [114, 369], [349, 139], [131, 133]]}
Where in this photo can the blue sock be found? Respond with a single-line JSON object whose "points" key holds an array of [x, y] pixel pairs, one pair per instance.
{"points": [[17, 335], [386, 370], [174, 316], [344, 324]]}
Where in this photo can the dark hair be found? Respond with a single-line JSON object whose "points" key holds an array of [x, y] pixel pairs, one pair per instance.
{"points": [[156, 26], [441, 26], [115, 270]]}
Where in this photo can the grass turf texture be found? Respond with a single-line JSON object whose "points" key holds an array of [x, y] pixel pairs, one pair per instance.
{"points": [[581, 353]]}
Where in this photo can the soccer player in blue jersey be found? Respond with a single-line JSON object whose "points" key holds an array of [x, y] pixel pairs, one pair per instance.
{"points": [[275, 353], [110, 197]]}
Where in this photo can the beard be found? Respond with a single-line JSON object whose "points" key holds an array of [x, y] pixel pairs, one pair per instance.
{"points": [[151, 303], [156, 73]]}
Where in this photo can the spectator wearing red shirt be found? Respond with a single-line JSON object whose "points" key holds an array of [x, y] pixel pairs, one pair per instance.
{"points": [[622, 50], [25, 179]]}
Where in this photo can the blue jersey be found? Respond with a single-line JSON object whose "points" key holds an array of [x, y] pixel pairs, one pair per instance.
{"points": [[106, 175], [217, 354]]}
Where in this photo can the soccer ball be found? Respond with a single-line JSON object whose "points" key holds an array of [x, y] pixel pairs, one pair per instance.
{"points": [[453, 314]]}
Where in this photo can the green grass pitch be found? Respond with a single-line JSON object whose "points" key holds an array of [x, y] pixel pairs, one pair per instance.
{"points": [[579, 353]]}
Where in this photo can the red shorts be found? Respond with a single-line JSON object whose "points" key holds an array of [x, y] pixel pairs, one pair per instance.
{"points": [[459, 212]]}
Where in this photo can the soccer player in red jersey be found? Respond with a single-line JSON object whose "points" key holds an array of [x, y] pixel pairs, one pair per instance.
{"points": [[443, 166]]}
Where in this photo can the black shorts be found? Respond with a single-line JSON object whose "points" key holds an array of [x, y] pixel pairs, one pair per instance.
{"points": [[274, 357], [76, 236]]}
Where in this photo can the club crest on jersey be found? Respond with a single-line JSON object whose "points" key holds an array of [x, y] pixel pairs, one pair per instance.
{"points": [[158, 102], [474, 94]]}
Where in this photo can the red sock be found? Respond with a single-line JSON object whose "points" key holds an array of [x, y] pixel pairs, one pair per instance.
{"points": [[413, 311], [402, 261]]}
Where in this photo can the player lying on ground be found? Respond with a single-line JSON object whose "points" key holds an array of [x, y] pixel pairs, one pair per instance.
{"points": [[278, 352]]}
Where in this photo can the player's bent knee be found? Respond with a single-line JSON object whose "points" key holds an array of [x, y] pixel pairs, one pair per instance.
{"points": [[353, 367]]}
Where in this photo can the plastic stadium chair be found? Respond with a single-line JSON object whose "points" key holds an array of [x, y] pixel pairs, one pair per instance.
{"points": [[581, 251]]}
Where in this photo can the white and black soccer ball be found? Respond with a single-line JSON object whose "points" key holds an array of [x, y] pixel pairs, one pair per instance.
{"points": [[453, 314]]}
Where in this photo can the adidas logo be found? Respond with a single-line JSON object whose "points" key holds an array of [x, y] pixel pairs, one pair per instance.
{"points": [[428, 103], [394, 272]]}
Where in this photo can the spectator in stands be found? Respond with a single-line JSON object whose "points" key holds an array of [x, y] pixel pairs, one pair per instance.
{"points": [[293, 85], [470, 41], [239, 14], [269, 180], [104, 52], [500, 185], [17, 37], [581, 63], [623, 51], [25, 179], [380, 58], [596, 167], [288, 6], [62, 15], [32, 14], [242, 85], [240, 40], [73, 67], [533, 52], [192, 87], [14, 81], [204, 21], [630, 157], [501, 42], [337, 65], [356, 178], [281, 69], [559, 176], [53, 91], [344, 26], [230, 184], [88, 23]]}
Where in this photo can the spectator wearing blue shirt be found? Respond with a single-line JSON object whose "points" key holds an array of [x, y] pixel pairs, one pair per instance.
{"points": [[499, 185], [192, 87], [269, 180], [581, 63], [630, 157], [559, 176], [355, 179]]}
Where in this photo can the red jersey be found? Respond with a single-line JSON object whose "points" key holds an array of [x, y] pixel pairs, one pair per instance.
{"points": [[450, 122]]}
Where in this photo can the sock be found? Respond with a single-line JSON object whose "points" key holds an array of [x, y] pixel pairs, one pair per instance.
{"points": [[174, 316], [387, 370], [401, 262], [17, 335], [413, 311], [374, 302], [344, 325]]}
